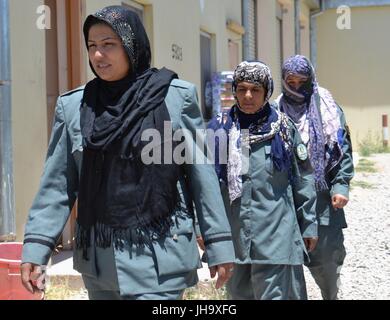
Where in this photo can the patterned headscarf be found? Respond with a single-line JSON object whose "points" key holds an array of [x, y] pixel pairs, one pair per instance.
{"points": [[255, 72], [316, 115], [130, 29], [266, 124]]}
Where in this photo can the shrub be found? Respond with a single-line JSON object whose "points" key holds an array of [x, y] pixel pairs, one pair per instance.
{"points": [[365, 165], [372, 144]]}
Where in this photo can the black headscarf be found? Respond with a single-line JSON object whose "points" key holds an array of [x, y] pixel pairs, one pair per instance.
{"points": [[121, 197]]}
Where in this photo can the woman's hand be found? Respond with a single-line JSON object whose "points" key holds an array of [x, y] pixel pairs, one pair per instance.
{"points": [[339, 201], [310, 243], [33, 277], [200, 242], [224, 270]]}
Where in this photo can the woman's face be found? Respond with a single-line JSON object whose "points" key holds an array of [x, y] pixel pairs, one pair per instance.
{"points": [[296, 81], [107, 54], [250, 96]]}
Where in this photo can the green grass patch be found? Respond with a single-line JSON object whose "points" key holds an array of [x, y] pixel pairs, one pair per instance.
{"points": [[367, 169], [205, 290], [365, 165], [366, 162], [362, 184], [372, 144], [60, 292], [64, 288]]}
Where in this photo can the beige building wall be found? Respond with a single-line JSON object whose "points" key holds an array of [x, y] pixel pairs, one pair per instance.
{"points": [[267, 37], [180, 22], [305, 29], [213, 21], [354, 65], [288, 28], [173, 25], [29, 111]]}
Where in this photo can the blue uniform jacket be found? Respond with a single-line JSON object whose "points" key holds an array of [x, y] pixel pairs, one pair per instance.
{"points": [[171, 263], [273, 215]]}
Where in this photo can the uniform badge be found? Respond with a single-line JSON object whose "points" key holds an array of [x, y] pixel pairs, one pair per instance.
{"points": [[302, 152]]}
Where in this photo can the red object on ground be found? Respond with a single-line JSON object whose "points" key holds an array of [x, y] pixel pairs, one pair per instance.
{"points": [[11, 287], [385, 130]]}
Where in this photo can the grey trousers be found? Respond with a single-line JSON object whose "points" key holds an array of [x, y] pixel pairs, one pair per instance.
{"points": [[326, 261], [115, 295], [98, 291], [267, 282]]}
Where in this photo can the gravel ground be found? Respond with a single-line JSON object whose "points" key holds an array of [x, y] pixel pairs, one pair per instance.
{"points": [[366, 271]]}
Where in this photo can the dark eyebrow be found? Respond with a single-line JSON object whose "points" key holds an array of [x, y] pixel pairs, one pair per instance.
{"points": [[250, 87], [108, 38]]}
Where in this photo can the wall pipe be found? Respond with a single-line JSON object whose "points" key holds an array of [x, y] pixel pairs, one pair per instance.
{"points": [[313, 32], [7, 203]]}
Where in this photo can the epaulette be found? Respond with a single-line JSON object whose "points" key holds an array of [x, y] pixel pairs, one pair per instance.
{"points": [[73, 91], [181, 83]]}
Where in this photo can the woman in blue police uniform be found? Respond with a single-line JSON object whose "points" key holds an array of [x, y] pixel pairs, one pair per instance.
{"points": [[134, 231], [268, 191], [324, 131]]}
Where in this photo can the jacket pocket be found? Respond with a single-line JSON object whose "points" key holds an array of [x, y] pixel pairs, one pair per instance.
{"points": [[179, 252], [77, 153], [269, 166], [85, 267]]}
